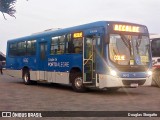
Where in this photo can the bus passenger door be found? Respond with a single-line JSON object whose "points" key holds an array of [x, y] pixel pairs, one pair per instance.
{"points": [[89, 59], [43, 61]]}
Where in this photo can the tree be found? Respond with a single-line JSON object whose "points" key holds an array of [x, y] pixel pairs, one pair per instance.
{"points": [[8, 7]]}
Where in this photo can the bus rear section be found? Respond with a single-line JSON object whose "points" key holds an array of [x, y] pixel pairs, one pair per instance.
{"points": [[155, 46]]}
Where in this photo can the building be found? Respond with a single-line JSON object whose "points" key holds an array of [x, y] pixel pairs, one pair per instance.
{"points": [[2, 56]]}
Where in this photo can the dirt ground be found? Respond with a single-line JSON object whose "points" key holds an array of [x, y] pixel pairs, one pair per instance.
{"points": [[15, 96]]}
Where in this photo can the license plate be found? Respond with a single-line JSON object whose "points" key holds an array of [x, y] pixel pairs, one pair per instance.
{"points": [[134, 85]]}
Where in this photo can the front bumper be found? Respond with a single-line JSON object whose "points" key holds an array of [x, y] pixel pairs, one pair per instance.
{"points": [[107, 81]]}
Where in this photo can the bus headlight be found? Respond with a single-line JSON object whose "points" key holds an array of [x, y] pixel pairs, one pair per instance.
{"points": [[113, 72], [149, 73]]}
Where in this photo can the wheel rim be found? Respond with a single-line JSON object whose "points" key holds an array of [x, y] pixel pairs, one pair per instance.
{"points": [[78, 82], [26, 78]]}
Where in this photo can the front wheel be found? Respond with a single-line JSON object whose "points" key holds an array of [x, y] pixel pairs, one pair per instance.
{"points": [[77, 83]]}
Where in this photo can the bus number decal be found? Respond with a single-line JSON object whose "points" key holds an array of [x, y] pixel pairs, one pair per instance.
{"points": [[25, 60]]}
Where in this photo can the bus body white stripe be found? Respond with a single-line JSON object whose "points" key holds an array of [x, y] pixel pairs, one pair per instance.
{"points": [[51, 77]]}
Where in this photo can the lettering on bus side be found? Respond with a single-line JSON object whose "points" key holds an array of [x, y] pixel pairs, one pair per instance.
{"points": [[53, 62], [93, 31], [25, 60]]}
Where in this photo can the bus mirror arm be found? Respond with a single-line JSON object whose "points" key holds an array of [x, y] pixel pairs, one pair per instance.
{"points": [[107, 39]]}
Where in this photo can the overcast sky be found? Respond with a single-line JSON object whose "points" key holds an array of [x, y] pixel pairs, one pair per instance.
{"points": [[38, 15]]}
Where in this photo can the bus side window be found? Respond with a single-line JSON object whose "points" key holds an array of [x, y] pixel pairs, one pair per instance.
{"points": [[31, 47], [12, 49], [21, 48], [69, 44], [61, 44], [74, 45], [57, 45], [54, 45], [70, 47], [78, 45]]}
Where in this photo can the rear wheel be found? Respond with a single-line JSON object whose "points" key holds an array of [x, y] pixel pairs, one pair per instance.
{"points": [[26, 78], [77, 83]]}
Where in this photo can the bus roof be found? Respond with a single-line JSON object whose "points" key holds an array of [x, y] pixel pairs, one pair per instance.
{"points": [[51, 32], [154, 36]]}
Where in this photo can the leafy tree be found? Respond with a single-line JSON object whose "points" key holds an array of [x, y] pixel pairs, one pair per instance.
{"points": [[8, 7]]}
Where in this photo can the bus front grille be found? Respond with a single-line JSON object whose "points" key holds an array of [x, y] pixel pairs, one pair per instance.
{"points": [[129, 82]]}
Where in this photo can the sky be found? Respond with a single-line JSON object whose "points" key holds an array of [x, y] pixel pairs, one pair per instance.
{"points": [[34, 16]]}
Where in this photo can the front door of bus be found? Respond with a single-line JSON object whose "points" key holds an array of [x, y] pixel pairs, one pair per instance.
{"points": [[43, 60], [89, 58]]}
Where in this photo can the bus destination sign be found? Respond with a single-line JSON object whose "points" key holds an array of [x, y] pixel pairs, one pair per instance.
{"points": [[78, 35], [128, 28]]}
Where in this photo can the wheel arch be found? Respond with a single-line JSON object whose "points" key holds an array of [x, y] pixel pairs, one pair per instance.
{"points": [[73, 71], [24, 69]]}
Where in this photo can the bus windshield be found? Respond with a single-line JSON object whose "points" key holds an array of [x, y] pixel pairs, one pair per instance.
{"points": [[129, 49], [155, 48]]}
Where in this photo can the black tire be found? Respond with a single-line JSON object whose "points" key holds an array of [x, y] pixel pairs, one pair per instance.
{"points": [[77, 83], [26, 79]]}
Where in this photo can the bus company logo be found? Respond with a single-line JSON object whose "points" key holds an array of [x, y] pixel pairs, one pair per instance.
{"points": [[25, 60]]}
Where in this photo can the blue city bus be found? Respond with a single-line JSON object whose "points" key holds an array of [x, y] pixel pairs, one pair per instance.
{"points": [[104, 54]]}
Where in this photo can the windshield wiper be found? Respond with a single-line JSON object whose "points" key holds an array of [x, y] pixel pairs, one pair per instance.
{"points": [[126, 42], [138, 43]]}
